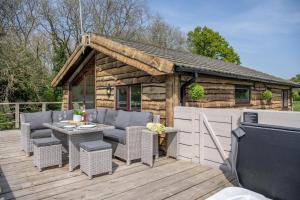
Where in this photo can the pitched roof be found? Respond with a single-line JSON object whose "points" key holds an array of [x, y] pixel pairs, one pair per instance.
{"points": [[158, 61], [186, 61]]}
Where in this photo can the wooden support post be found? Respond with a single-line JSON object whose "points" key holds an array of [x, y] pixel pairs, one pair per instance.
{"points": [[17, 115], [172, 97], [44, 107]]}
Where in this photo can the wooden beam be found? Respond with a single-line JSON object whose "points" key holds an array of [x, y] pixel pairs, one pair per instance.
{"points": [[160, 64], [172, 97], [82, 65]]}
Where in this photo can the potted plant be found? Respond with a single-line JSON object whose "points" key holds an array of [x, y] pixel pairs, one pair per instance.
{"points": [[267, 95], [77, 115], [196, 91]]}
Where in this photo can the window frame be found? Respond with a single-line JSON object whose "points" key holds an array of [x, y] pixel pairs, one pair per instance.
{"points": [[242, 102], [283, 99], [128, 98]]}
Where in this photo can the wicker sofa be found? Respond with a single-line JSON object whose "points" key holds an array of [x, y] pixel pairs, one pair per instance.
{"points": [[32, 127], [125, 137]]}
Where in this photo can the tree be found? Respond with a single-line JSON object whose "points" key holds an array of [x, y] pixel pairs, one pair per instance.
{"points": [[161, 34], [296, 78], [206, 42]]}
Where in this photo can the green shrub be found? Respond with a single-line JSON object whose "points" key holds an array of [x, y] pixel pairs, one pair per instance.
{"points": [[295, 96], [267, 95], [196, 91], [77, 112]]}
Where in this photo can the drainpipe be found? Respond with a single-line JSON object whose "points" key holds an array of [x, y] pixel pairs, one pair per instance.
{"points": [[184, 86]]}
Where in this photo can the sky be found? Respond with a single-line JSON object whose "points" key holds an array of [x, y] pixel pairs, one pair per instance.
{"points": [[265, 33]]}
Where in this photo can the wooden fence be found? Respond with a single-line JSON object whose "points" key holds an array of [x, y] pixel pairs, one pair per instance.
{"points": [[205, 133], [10, 112]]}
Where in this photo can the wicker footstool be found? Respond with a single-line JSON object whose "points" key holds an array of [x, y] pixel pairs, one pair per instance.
{"points": [[95, 158], [149, 147], [47, 152]]}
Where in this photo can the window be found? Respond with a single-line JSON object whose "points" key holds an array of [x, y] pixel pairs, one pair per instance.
{"points": [[285, 99], [242, 95], [83, 89], [129, 98]]}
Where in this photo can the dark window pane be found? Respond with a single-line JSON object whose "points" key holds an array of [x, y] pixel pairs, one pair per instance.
{"points": [[90, 91], [135, 98], [285, 98], [242, 95], [122, 96]]}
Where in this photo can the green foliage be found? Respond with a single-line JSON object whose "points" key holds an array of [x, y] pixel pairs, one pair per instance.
{"points": [[296, 96], [196, 91], [60, 56], [267, 95], [77, 112], [296, 78], [296, 105], [204, 41], [5, 121]]}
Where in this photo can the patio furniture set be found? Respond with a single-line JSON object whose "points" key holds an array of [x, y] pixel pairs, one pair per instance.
{"points": [[110, 133]]}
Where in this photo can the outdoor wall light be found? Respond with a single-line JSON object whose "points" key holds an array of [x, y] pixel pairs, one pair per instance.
{"points": [[108, 90]]}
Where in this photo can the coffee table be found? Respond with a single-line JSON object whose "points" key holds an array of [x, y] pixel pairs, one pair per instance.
{"points": [[71, 138]]}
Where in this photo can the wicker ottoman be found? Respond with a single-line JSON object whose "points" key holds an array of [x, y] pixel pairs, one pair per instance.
{"points": [[95, 158], [47, 152]]}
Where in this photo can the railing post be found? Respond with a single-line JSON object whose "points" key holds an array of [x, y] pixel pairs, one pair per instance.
{"points": [[17, 115], [44, 107]]}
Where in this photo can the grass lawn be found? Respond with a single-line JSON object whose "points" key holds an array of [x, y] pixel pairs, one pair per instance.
{"points": [[296, 105]]}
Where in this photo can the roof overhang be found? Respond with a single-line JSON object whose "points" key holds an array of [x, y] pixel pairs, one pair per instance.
{"points": [[184, 69], [151, 64]]}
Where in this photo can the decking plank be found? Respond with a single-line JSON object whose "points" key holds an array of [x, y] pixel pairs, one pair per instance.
{"points": [[169, 178]]}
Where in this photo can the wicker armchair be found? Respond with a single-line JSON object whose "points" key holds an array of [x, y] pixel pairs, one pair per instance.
{"points": [[131, 148]]}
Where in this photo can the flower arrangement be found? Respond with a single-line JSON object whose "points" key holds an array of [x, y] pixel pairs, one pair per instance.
{"points": [[196, 91], [267, 95], [156, 127]]}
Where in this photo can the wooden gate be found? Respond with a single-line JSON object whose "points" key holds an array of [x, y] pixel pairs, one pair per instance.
{"points": [[205, 134]]}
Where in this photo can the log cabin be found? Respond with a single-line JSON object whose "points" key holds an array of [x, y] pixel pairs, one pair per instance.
{"points": [[113, 73]]}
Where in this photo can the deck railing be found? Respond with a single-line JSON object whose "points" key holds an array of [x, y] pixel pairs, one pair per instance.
{"points": [[10, 112]]}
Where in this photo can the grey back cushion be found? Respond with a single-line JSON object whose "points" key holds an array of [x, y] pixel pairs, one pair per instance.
{"points": [[55, 115], [140, 118], [93, 112], [101, 112], [123, 119], [110, 117], [37, 119]]}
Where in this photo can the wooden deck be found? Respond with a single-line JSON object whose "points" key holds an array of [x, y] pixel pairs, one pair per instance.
{"points": [[168, 179]]}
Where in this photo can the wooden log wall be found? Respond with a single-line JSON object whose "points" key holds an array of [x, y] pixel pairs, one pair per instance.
{"points": [[115, 73], [66, 95], [220, 93]]}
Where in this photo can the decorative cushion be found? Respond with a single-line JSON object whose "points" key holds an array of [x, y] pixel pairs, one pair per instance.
{"points": [[140, 118], [122, 119], [37, 119], [45, 142], [42, 133], [55, 115], [95, 145], [101, 112], [115, 135], [110, 117]]}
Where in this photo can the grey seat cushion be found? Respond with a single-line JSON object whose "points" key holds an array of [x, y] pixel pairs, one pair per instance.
{"points": [[123, 119], [110, 117], [55, 115], [115, 135], [101, 112], [140, 118], [45, 142], [95, 145], [41, 133], [37, 119]]}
